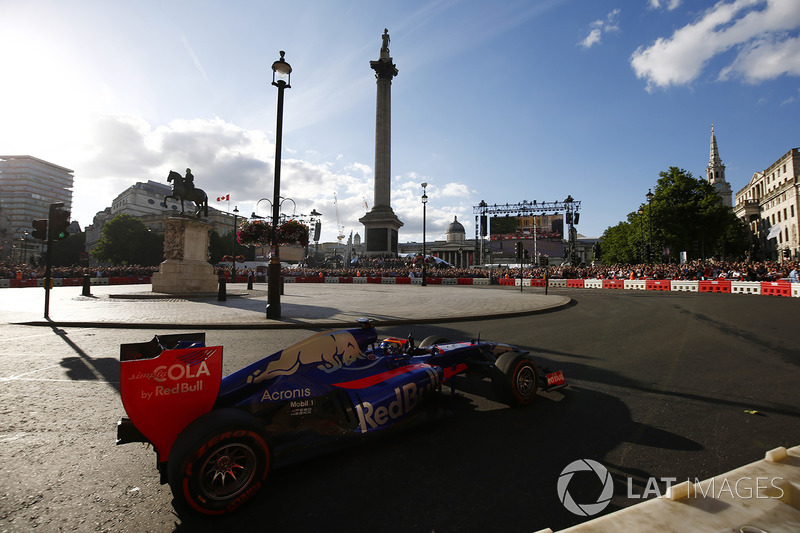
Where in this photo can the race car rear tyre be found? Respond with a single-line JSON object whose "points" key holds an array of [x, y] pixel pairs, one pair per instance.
{"points": [[218, 462], [518, 380], [434, 339]]}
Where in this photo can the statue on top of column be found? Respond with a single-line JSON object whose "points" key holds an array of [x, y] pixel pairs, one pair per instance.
{"points": [[386, 40]]}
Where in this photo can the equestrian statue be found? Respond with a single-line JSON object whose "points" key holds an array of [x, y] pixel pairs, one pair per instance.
{"points": [[183, 188]]}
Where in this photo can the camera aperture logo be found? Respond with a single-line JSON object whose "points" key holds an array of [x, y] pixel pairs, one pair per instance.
{"points": [[585, 509]]}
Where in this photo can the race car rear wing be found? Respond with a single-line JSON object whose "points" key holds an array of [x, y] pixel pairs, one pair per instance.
{"points": [[165, 384]]}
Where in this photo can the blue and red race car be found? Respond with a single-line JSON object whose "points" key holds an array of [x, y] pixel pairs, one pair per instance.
{"points": [[217, 438]]}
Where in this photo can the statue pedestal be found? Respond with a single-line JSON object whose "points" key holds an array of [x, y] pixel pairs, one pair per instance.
{"points": [[186, 269]]}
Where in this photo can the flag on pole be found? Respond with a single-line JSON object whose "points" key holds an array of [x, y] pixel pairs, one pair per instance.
{"points": [[225, 198], [774, 231]]}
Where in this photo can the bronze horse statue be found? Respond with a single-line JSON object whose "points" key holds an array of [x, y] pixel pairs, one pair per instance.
{"points": [[191, 194]]}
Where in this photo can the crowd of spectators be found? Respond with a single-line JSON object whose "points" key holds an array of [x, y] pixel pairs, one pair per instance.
{"points": [[412, 267], [694, 270], [35, 271]]}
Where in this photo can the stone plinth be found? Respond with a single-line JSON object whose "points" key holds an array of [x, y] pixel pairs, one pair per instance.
{"points": [[186, 269]]}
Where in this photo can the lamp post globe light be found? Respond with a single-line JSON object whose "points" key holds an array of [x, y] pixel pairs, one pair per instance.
{"points": [[424, 216], [281, 78]]}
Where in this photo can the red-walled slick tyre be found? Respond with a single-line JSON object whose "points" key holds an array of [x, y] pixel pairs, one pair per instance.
{"points": [[518, 380], [218, 462]]}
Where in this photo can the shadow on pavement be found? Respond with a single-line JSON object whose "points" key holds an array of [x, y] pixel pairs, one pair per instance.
{"points": [[471, 471], [85, 368]]}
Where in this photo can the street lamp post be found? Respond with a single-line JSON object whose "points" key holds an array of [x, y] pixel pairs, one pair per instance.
{"points": [[649, 197], [281, 78], [424, 216], [233, 255], [641, 235]]}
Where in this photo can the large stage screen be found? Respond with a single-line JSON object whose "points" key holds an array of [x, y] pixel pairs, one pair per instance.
{"points": [[505, 232]]}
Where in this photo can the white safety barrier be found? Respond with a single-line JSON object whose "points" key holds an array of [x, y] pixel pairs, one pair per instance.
{"points": [[636, 284], [684, 285], [388, 281], [99, 281], [796, 290], [332, 280], [526, 282], [416, 281], [449, 281], [593, 284], [746, 287], [5, 283], [557, 283], [359, 280], [480, 281]]}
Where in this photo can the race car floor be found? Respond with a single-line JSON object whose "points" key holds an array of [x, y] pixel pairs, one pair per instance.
{"points": [[302, 306]]}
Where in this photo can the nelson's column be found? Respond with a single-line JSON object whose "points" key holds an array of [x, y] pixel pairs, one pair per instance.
{"points": [[381, 224]]}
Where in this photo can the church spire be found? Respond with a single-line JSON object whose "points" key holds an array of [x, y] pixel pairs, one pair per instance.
{"points": [[714, 160], [715, 173]]}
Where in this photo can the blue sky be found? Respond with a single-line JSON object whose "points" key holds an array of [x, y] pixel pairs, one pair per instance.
{"points": [[495, 101]]}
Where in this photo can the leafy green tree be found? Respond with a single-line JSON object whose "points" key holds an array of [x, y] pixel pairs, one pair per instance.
{"points": [[619, 245], [126, 240], [685, 214]]}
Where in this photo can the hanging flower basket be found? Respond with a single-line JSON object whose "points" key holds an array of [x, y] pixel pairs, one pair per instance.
{"points": [[293, 232], [227, 259], [240, 259], [255, 233]]}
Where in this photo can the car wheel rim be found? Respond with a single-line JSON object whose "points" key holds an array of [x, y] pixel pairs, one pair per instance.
{"points": [[526, 381], [228, 471]]}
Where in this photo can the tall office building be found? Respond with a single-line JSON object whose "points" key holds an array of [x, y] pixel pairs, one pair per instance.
{"points": [[28, 186]]}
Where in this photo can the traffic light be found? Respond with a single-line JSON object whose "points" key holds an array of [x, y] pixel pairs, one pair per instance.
{"points": [[59, 221], [40, 229]]}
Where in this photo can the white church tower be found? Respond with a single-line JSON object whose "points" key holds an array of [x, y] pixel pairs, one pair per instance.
{"points": [[715, 172]]}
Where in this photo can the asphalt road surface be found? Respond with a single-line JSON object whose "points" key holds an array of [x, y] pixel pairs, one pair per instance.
{"points": [[662, 385]]}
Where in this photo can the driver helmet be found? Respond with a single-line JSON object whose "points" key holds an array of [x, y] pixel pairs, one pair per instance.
{"points": [[391, 348]]}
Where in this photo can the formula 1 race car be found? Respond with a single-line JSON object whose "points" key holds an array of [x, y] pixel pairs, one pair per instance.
{"points": [[216, 438]]}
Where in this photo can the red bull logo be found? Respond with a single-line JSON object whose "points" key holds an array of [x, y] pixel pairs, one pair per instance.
{"points": [[406, 398]]}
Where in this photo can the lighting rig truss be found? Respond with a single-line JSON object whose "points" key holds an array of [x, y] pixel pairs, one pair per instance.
{"points": [[570, 207]]}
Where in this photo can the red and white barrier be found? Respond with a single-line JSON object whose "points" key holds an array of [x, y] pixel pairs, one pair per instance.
{"points": [[684, 285], [636, 284], [746, 287]]}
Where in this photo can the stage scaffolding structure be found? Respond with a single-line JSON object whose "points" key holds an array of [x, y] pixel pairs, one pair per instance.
{"points": [[483, 212]]}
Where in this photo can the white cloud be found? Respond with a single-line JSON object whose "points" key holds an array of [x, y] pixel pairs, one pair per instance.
{"points": [[759, 29], [766, 59], [227, 159], [669, 5], [600, 27]]}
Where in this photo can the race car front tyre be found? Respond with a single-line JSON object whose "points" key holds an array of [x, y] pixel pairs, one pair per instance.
{"points": [[218, 462], [517, 381]]}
